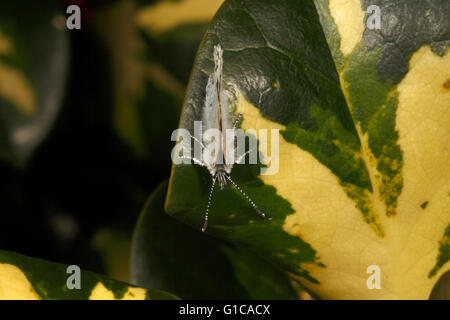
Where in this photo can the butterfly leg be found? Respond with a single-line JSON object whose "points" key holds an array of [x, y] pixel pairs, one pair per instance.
{"points": [[242, 156], [196, 161], [198, 141]]}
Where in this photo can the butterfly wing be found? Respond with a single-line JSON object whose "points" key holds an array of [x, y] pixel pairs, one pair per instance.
{"points": [[217, 115], [210, 122]]}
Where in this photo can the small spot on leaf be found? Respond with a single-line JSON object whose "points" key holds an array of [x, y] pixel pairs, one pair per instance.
{"points": [[424, 205], [446, 84], [276, 84]]}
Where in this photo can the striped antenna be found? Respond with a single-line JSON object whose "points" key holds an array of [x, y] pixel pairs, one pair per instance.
{"points": [[262, 214], [205, 224]]}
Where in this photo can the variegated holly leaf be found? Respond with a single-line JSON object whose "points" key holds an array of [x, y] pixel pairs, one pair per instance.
{"points": [[26, 278], [360, 203], [33, 67], [170, 256]]}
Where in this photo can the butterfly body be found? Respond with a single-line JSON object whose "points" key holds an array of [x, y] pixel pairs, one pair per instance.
{"points": [[219, 153]]}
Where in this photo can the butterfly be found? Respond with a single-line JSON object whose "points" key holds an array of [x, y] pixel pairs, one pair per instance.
{"points": [[219, 154]]}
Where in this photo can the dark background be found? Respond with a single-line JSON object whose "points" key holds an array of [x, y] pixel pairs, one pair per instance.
{"points": [[77, 197]]}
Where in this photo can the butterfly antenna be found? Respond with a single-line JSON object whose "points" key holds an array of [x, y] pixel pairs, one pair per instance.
{"points": [[262, 214], [205, 224]]}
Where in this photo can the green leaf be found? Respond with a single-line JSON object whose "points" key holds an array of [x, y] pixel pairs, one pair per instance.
{"points": [[441, 290], [33, 68], [358, 151], [171, 256], [22, 277]]}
